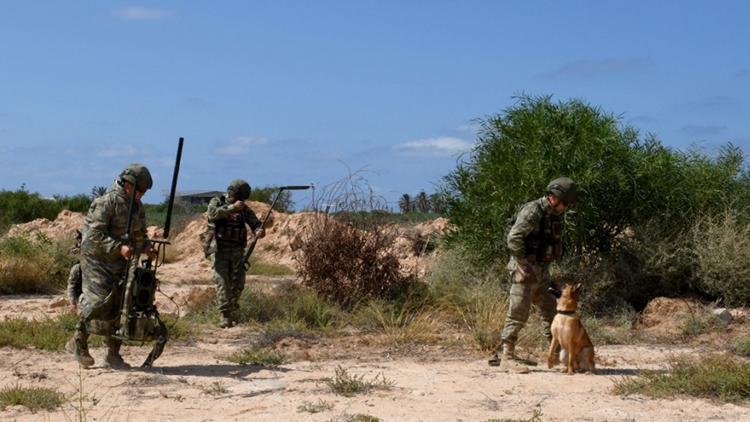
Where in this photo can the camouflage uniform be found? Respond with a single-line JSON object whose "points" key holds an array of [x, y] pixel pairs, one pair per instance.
{"points": [[74, 277], [104, 269], [75, 281], [227, 247], [530, 287], [534, 240]]}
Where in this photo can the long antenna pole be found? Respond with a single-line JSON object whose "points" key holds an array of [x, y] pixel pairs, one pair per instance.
{"points": [[170, 204]]}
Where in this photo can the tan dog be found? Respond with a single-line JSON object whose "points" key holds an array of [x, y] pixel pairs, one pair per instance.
{"points": [[568, 333]]}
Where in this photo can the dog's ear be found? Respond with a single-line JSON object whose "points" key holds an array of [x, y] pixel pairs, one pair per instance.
{"points": [[577, 288]]}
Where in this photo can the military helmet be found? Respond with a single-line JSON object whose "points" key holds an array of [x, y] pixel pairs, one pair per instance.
{"points": [[564, 188], [239, 189], [137, 175]]}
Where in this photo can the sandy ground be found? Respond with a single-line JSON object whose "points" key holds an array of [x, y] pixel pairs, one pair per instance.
{"points": [[190, 382], [430, 383], [439, 388]]}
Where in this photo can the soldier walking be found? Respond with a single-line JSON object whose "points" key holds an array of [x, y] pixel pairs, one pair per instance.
{"points": [[534, 241], [106, 261], [228, 216]]}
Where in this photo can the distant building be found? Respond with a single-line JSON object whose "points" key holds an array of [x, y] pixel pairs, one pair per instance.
{"points": [[197, 197]]}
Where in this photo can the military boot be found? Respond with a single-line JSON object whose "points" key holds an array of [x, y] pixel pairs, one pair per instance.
{"points": [[113, 359], [81, 340], [226, 320], [510, 363]]}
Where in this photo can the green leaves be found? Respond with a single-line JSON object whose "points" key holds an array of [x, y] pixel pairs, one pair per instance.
{"points": [[624, 181]]}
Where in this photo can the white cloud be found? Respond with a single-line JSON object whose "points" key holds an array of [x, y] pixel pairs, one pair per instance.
{"points": [[444, 146], [139, 13], [117, 151], [240, 145]]}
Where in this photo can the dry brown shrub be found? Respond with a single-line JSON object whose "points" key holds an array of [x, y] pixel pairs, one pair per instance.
{"points": [[344, 254]]}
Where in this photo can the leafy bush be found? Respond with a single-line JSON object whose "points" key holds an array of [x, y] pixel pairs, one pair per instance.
{"points": [[623, 181], [722, 249], [268, 193], [21, 206], [34, 266], [347, 257]]}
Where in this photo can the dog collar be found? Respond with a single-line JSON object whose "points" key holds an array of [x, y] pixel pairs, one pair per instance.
{"points": [[566, 312]]}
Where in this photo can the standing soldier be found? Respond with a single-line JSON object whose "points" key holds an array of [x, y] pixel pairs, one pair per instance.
{"points": [[227, 217], [106, 252], [74, 277], [534, 240]]}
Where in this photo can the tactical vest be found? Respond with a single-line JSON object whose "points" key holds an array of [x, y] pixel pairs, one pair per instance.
{"points": [[546, 243], [232, 230]]}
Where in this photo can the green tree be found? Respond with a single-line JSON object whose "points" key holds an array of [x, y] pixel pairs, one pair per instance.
{"points": [[437, 203], [405, 203], [98, 191], [624, 181], [421, 203], [267, 194]]}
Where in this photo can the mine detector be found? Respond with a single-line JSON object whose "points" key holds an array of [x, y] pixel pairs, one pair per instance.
{"points": [[139, 318]]}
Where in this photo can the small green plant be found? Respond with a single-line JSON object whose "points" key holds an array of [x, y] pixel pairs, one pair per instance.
{"points": [[712, 376], [266, 268], [216, 388], [34, 398], [256, 356], [310, 407], [612, 329], [701, 324], [358, 417], [742, 346], [349, 385], [179, 328], [482, 309], [402, 323], [290, 306], [47, 334]]}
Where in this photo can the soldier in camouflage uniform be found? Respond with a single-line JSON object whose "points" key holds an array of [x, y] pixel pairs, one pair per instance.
{"points": [[74, 277], [534, 240], [106, 261], [227, 217]]}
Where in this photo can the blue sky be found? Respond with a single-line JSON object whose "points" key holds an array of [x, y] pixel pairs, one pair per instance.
{"points": [[293, 92]]}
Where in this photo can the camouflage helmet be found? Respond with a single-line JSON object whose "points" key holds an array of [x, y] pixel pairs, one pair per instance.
{"points": [[137, 175], [239, 189], [564, 188]]}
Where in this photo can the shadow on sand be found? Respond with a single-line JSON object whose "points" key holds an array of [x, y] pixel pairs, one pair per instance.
{"points": [[221, 370]]}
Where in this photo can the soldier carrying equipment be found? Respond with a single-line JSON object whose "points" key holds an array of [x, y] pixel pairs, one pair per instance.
{"points": [[139, 318]]}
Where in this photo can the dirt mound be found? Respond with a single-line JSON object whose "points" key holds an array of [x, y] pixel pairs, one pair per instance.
{"points": [[186, 262], [62, 227], [666, 317]]}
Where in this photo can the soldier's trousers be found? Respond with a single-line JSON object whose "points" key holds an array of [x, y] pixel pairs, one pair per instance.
{"points": [[101, 297], [229, 280], [526, 290]]}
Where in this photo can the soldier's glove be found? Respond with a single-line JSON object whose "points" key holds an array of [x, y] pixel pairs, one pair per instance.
{"points": [[260, 233], [524, 265]]}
